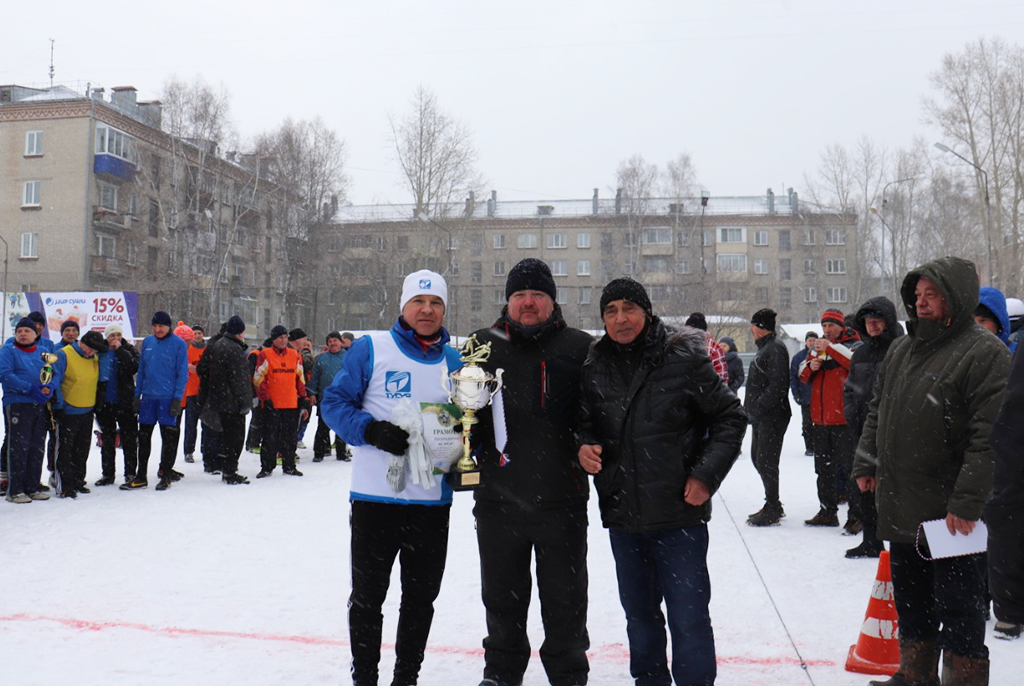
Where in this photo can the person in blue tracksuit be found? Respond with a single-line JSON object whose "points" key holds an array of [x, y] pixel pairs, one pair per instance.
{"points": [[25, 414], [380, 370], [325, 368], [159, 388]]}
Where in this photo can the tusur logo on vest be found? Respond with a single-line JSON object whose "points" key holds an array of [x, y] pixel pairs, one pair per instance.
{"points": [[397, 385]]}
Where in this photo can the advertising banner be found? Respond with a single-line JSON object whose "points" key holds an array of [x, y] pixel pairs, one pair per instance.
{"points": [[91, 310]]}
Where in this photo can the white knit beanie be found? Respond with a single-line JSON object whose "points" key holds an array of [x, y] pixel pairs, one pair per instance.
{"points": [[424, 282]]}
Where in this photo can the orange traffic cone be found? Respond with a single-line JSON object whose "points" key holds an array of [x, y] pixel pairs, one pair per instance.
{"points": [[878, 648]]}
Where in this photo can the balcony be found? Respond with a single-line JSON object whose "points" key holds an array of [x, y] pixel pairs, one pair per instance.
{"points": [[111, 165], [108, 266], [109, 220]]}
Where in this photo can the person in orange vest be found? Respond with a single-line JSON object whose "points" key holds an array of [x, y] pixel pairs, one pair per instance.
{"points": [[281, 388], [193, 335]]}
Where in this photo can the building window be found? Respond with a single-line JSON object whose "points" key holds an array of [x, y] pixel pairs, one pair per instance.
{"points": [[499, 269], [476, 300], [808, 266], [657, 236], [607, 270], [784, 240], [105, 245], [761, 295], [33, 143], [656, 265], [403, 243], [659, 294], [709, 237], [33, 194], [810, 294], [835, 266], [785, 298], [560, 296], [559, 268], [499, 296], [476, 244], [30, 246], [453, 268], [761, 267], [476, 272], [582, 267], [583, 240], [683, 267], [835, 237], [836, 295], [133, 254], [108, 197], [732, 234], [761, 237], [557, 240], [154, 218], [732, 263], [499, 241], [584, 296], [808, 236], [113, 142], [380, 243], [607, 243], [526, 240], [785, 270], [683, 239]]}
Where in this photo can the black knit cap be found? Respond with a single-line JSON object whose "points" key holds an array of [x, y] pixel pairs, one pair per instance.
{"points": [[69, 324], [37, 317], [162, 318], [697, 321], [764, 319], [530, 274], [625, 288], [296, 334], [278, 331], [235, 325], [94, 340], [25, 323], [333, 334]]}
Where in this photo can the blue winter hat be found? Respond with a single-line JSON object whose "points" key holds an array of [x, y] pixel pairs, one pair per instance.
{"points": [[162, 318]]}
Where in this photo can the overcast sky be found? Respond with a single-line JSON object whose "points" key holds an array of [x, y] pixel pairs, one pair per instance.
{"points": [[557, 93]]}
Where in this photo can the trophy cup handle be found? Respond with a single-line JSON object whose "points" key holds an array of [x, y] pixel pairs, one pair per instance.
{"points": [[498, 383], [446, 382]]}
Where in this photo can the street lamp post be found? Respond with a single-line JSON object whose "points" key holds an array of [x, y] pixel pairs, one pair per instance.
{"points": [[881, 278], [704, 197], [988, 208]]}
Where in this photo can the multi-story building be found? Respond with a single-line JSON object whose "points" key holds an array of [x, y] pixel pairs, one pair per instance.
{"points": [[96, 196], [723, 256]]}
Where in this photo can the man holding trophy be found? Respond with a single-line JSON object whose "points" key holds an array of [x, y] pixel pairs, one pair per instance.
{"points": [[378, 403], [532, 500]]}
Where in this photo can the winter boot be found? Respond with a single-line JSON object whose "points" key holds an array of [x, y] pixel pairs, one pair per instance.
{"points": [[852, 527], [919, 665], [189, 458], [1008, 630], [104, 481], [135, 484], [164, 484], [770, 515], [823, 518], [234, 479], [318, 458], [869, 547], [958, 670], [292, 471]]}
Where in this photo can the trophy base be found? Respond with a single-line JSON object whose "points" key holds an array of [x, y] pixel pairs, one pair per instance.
{"points": [[463, 481]]}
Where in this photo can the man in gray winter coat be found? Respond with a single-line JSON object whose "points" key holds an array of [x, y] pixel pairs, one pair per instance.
{"points": [[925, 453]]}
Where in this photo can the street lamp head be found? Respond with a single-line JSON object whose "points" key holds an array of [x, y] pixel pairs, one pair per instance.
{"points": [[942, 147], [704, 197]]}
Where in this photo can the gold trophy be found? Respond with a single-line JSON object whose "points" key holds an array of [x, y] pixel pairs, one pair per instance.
{"points": [[45, 377], [471, 388]]}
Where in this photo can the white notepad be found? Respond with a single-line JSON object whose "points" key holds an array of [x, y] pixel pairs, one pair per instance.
{"points": [[943, 544]]}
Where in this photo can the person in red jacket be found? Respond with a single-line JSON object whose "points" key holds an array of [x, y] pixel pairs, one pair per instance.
{"points": [[826, 369], [281, 388]]}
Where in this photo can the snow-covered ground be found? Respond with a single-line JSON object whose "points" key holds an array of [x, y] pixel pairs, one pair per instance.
{"points": [[211, 584]]}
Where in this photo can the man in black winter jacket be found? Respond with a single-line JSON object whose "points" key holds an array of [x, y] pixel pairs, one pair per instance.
{"points": [[114, 412], [767, 406], [876, 323], [533, 496], [226, 393], [659, 431]]}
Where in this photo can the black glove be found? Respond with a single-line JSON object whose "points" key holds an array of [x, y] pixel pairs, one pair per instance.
{"points": [[175, 409], [136, 405], [268, 405], [387, 437]]}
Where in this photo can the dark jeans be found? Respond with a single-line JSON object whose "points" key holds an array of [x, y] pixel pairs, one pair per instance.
{"points": [[940, 600], [807, 428], [765, 449], [26, 424], [111, 417], [322, 439], [73, 436], [229, 441], [168, 450], [508, 538], [192, 430], [418, 536], [833, 445], [255, 437], [279, 436], [669, 565]]}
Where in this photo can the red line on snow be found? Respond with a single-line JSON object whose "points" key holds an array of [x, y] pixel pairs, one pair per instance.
{"points": [[608, 651]]}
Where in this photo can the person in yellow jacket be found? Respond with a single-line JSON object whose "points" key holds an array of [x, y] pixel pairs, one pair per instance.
{"points": [[78, 365], [281, 388]]}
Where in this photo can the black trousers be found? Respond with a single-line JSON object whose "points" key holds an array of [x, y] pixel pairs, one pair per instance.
{"points": [[26, 425], [832, 445], [1006, 562], [322, 440], [255, 437], [168, 450], [280, 435], [807, 428], [74, 432], [765, 450], [508, 537], [229, 441], [941, 600], [418, 536], [111, 418]]}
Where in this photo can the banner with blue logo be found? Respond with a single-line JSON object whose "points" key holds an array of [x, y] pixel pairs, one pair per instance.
{"points": [[93, 311]]}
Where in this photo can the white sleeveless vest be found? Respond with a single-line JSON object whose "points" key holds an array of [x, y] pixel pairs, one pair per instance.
{"points": [[395, 375]]}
